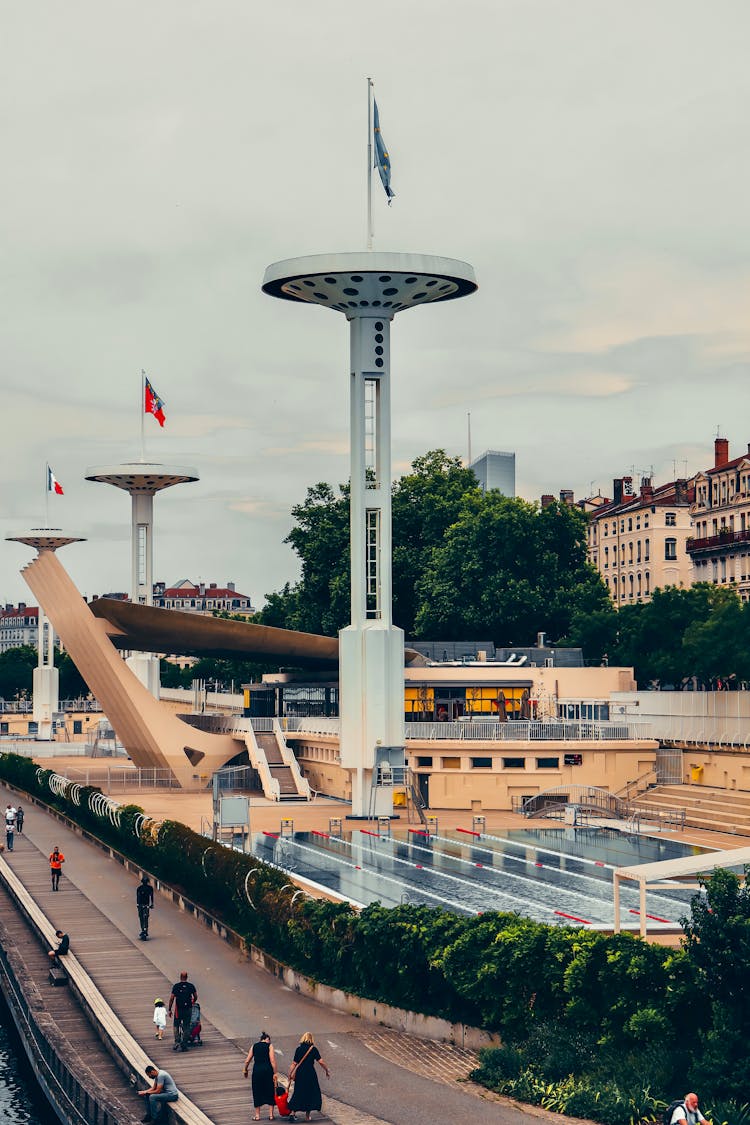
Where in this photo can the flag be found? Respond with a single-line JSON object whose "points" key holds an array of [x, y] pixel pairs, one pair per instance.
{"points": [[382, 159], [153, 404], [53, 484]]}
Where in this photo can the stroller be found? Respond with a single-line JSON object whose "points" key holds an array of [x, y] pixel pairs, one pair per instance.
{"points": [[195, 1026]]}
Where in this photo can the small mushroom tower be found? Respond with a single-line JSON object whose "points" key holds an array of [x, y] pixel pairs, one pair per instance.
{"points": [[369, 289], [46, 681], [142, 480]]}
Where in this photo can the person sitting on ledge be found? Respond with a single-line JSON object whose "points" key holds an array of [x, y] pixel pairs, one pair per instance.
{"points": [[163, 1089], [63, 945]]}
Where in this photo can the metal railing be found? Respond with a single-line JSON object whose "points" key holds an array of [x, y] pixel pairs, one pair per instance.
{"points": [[524, 730]]}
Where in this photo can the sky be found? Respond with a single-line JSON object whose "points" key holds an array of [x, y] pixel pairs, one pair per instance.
{"points": [[588, 158]]}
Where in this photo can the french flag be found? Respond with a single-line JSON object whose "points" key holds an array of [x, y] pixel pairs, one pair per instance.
{"points": [[53, 484]]}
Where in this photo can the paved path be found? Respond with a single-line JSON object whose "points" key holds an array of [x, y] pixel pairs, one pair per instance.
{"points": [[370, 1082]]}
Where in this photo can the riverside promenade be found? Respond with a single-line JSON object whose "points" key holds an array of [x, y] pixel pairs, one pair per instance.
{"points": [[377, 1075]]}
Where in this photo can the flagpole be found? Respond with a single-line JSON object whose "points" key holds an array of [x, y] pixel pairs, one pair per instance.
{"points": [[46, 494], [369, 164], [143, 411]]}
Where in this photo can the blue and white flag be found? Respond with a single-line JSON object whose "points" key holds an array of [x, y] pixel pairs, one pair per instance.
{"points": [[382, 159]]}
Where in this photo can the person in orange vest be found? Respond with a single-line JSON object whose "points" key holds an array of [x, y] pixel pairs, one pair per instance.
{"points": [[56, 860]]}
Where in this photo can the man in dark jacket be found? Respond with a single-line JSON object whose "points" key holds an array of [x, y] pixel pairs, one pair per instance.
{"points": [[144, 897], [182, 999]]}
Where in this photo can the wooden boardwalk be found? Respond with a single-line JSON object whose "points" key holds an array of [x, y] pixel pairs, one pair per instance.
{"points": [[61, 1005], [211, 1075]]}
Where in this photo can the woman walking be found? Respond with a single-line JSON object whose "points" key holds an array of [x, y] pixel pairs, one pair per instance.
{"points": [[307, 1095], [262, 1056]]}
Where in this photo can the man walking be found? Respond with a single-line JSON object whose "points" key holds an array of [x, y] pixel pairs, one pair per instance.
{"points": [[162, 1089], [10, 831], [182, 999], [144, 897], [19, 819], [56, 860]]}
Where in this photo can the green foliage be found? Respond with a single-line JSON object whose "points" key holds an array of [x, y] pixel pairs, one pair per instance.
{"points": [[590, 1023], [464, 563], [17, 671]]}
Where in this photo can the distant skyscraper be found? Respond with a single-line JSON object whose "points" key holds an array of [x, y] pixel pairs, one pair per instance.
{"points": [[496, 470]]}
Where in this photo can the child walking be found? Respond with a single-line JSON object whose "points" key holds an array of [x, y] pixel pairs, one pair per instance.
{"points": [[160, 1018]]}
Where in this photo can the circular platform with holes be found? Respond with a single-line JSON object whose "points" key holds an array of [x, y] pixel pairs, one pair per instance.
{"points": [[45, 538], [137, 476], [369, 283]]}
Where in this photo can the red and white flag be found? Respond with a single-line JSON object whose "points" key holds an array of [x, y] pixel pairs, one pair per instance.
{"points": [[53, 484], [152, 404]]}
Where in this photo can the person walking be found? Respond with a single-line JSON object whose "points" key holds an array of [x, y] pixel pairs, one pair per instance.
{"points": [[263, 1058], [182, 998], [144, 898], [10, 831], [56, 860], [10, 814], [306, 1095], [160, 1018], [19, 819], [163, 1089]]}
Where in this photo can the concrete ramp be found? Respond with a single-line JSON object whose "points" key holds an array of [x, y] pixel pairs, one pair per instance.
{"points": [[152, 736]]}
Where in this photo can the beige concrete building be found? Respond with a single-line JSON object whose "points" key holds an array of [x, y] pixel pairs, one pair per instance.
{"points": [[482, 762], [719, 545], [638, 541]]}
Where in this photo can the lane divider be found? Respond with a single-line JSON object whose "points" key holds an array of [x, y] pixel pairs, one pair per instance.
{"points": [[584, 921], [653, 917]]}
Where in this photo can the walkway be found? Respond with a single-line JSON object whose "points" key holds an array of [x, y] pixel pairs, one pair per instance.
{"points": [[96, 906]]}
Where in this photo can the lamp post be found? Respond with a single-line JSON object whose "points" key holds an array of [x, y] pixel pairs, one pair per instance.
{"points": [[369, 289]]}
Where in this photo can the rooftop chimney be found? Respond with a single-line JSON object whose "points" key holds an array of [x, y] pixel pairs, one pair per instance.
{"points": [[721, 452], [647, 489], [547, 499], [231, 586], [567, 496]]}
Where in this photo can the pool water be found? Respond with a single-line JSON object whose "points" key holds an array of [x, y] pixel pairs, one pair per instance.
{"points": [[560, 875]]}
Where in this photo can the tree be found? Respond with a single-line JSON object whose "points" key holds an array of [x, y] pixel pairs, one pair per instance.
{"points": [[506, 570], [17, 672], [426, 502]]}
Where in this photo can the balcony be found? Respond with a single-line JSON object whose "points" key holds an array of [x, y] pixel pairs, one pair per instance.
{"points": [[723, 543]]}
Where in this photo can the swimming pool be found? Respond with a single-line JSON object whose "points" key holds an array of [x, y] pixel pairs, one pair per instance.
{"points": [[561, 875]]}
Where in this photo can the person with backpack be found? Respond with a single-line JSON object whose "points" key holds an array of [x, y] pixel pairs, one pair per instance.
{"points": [[686, 1109], [183, 997]]}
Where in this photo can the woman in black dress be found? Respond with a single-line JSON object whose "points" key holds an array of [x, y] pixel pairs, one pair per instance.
{"points": [[262, 1056], [306, 1095]]}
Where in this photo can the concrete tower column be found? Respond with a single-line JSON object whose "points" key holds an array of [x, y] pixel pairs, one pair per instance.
{"points": [[370, 288]]}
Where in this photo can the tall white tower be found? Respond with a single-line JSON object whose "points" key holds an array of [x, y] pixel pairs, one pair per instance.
{"points": [[142, 480], [370, 288], [46, 675]]}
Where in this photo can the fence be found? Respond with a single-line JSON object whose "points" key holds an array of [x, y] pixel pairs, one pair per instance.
{"points": [[529, 730]]}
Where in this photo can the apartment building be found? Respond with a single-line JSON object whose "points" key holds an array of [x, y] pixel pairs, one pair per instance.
{"points": [[19, 625], [719, 545], [638, 540], [202, 597]]}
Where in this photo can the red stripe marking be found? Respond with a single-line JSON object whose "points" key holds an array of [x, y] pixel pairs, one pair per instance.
{"points": [[419, 831], [653, 917], [478, 865], [357, 867], [538, 864], [367, 832], [418, 866], [573, 918], [273, 835], [325, 835], [598, 863], [468, 832]]}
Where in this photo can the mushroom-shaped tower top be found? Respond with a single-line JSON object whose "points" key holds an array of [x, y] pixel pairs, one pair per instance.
{"points": [[369, 283], [45, 538], [142, 477]]}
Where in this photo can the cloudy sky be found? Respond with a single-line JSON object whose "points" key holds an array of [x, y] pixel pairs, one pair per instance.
{"points": [[589, 158]]}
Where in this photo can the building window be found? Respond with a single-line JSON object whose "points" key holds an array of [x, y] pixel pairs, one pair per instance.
{"points": [[606, 558], [451, 763], [424, 762], [647, 549], [547, 763], [670, 548], [514, 763], [630, 523], [671, 519], [481, 763], [77, 726]]}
